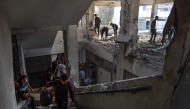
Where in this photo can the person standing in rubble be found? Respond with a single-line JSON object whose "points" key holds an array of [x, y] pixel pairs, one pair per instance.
{"points": [[153, 30], [115, 28], [97, 23], [104, 30]]}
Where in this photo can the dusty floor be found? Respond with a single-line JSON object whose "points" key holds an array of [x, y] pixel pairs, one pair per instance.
{"points": [[148, 54], [151, 54], [108, 44]]}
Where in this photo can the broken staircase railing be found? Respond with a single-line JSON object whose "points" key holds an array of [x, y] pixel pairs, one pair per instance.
{"points": [[133, 90]]}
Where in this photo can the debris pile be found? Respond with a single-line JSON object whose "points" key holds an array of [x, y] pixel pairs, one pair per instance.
{"points": [[108, 45], [150, 54]]}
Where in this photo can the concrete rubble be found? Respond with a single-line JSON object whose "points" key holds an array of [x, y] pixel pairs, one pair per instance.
{"points": [[123, 38], [150, 55], [108, 45]]}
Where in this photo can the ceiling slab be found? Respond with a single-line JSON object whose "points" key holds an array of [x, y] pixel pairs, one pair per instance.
{"points": [[42, 13], [36, 40]]}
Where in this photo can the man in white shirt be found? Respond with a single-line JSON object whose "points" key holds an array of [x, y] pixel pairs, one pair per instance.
{"points": [[61, 69]]}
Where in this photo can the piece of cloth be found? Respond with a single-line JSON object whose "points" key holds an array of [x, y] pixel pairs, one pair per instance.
{"points": [[61, 90], [60, 70], [104, 30], [82, 75], [62, 104]]}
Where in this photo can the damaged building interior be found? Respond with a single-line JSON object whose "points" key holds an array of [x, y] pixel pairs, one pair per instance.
{"points": [[131, 72]]}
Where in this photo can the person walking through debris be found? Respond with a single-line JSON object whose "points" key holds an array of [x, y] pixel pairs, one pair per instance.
{"points": [[104, 30], [115, 28], [153, 30], [23, 86], [62, 86], [97, 23]]}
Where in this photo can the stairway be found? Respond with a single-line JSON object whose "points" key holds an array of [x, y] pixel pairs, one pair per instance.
{"points": [[51, 106]]}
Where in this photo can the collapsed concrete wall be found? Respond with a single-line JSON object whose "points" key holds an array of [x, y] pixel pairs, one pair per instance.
{"points": [[103, 76], [154, 98], [176, 62], [162, 89], [8, 98]]}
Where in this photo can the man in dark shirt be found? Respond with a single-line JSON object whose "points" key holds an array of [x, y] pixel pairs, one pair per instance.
{"points": [[23, 86], [104, 30], [93, 74], [62, 86], [97, 23], [153, 30], [115, 28]]}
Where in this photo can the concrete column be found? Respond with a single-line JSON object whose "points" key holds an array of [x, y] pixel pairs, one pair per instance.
{"points": [[87, 24], [72, 46], [91, 18], [66, 52], [129, 18], [154, 12]]}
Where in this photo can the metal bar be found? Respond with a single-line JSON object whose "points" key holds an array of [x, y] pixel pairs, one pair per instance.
{"points": [[132, 89]]}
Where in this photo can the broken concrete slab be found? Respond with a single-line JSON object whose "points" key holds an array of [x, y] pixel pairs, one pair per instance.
{"points": [[123, 38]]}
